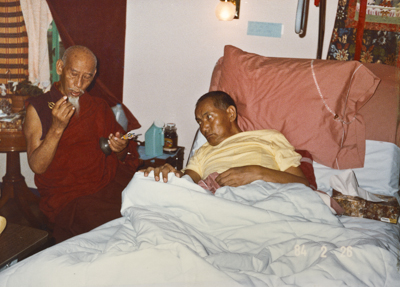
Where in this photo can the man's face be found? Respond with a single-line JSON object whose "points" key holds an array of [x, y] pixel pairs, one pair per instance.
{"points": [[215, 124], [76, 74]]}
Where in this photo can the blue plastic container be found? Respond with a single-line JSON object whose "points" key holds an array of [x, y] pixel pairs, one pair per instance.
{"points": [[154, 139]]}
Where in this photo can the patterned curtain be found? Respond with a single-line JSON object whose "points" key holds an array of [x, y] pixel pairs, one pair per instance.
{"points": [[366, 31], [13, 43]]}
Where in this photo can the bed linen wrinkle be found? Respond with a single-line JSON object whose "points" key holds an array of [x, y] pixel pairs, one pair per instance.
{"points": [[153, 231], [300, 264], [374, 228], [122, 240], [307, 278], [276, 198]]}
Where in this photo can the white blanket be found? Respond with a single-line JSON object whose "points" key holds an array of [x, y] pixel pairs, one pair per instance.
{"points": [[175, 234]]}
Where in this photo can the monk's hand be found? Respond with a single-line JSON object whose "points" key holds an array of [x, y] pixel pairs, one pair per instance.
{"points": [[116, 143], [62, 113], [164, 170], [242, 175]]}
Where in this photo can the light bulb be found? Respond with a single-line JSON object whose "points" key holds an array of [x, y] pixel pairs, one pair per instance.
{"points": [[225, 11]]}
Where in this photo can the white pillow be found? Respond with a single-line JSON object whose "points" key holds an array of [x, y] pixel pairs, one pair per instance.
{"points": [[380, 173], [199, 140]]}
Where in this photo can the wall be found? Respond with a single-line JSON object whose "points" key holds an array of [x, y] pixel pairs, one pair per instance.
{"points": [[172, 46]]}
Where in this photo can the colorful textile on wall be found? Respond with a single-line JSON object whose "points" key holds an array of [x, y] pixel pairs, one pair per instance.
{"points": [[13, 43], [366, 31]]}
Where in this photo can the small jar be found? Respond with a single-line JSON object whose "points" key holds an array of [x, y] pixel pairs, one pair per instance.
{"points": [[170, 138]]}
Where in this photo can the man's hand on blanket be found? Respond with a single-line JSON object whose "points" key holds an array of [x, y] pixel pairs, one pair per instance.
{"points": [[238, 176], [165, 169], [242, 175]]}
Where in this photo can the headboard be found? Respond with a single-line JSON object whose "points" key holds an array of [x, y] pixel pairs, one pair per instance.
{"points": [[326, 107]]}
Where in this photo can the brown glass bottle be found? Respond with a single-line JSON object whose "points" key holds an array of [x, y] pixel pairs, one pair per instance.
{"points": [[170, 138]]}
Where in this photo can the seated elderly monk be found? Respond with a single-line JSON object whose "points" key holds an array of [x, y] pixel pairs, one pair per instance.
{"points": [[237, 157], [80, 187]]}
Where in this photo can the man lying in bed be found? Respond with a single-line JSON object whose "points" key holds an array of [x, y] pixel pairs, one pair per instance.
{"points": [[238, 157]]}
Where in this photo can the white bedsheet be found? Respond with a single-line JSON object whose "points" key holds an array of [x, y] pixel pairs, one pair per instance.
{"points": [[262, 234]]}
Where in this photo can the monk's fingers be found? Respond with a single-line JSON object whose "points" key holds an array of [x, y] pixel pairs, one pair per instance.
{"points": [[116, 136], [69, 112], [62, 115], [117, 144], [60, 102], [63, 110]]}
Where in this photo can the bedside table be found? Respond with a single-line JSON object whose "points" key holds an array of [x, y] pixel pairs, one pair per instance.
{"points": [[175, 159], [19, 242], [12, 142]]}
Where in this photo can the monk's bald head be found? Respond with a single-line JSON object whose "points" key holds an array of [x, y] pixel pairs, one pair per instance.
{"points": [[78, 50]]}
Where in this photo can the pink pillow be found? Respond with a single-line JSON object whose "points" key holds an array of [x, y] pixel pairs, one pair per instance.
{"points": [[382, 111], [281, 94]]}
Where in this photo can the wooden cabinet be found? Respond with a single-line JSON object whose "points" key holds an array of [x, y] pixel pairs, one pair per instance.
{"points": [[175, 159]]}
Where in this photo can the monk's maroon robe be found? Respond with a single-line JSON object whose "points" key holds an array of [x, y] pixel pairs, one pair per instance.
{"points": [[79, 168]]}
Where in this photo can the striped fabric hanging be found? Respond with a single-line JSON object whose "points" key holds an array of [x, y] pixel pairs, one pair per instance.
{"points": [[13, 43]]}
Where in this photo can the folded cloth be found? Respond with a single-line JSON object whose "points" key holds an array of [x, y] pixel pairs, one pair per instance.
{"points": [[209, 182]]}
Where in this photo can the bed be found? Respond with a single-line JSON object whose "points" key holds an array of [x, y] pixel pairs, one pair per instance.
{"points": [[260, 234]]}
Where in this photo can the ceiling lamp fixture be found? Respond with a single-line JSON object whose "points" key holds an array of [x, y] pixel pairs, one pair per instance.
{"points": [[227, 10]]}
